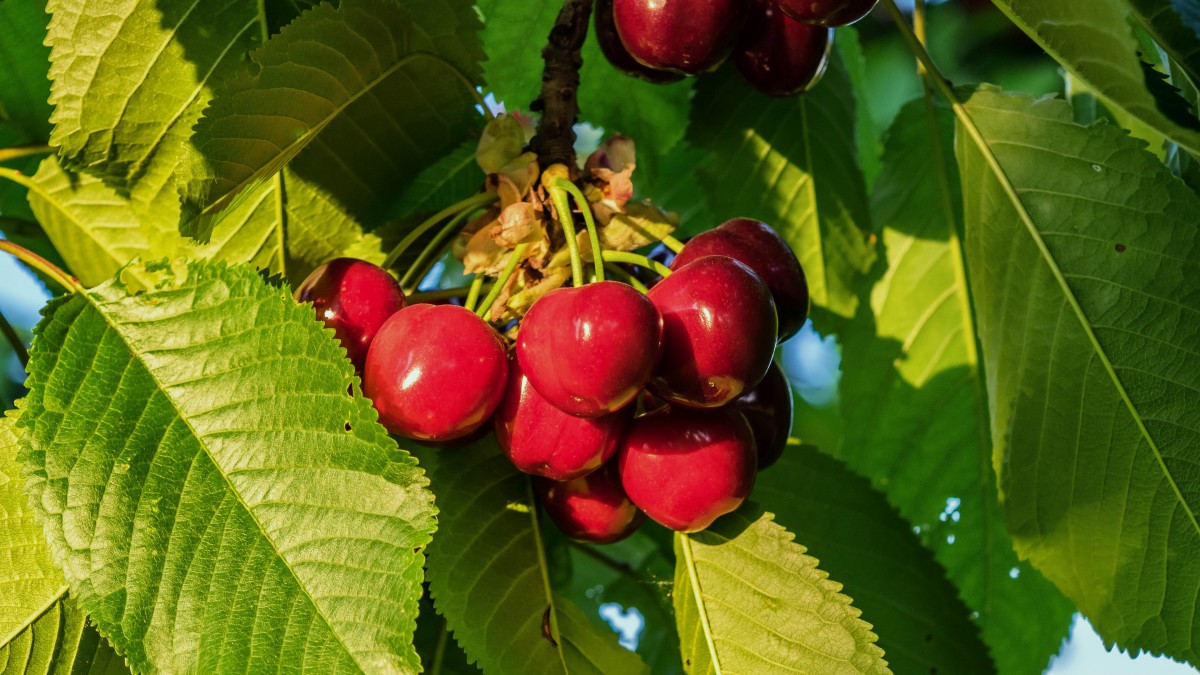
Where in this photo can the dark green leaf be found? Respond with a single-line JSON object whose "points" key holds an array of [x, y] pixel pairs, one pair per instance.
{"points": [[24, 63]]}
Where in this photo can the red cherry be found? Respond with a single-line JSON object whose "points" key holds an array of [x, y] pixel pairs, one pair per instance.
{"points": [[757, 246], [719, 331], [617, 55], [435, 372], [544, 441], [685, 468], [686, 36], [832, 13], [354, 298], [593, 508], [590, 350], [768, 409], [778, 55]]}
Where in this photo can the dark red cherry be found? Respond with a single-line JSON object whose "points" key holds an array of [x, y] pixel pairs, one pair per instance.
{"points": [[590, 350], [768, 409], [832, 13], [778, 55], [593, 508], [544, 441], [685, 468], [686, 36], [617, 55], [435, 372], [719, 332], [758, 247], [354, 298]]}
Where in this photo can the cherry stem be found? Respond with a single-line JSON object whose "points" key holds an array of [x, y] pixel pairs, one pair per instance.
{"points": [[15, 340], [47, 268], [511, 266], [593, 234], [473, 201], [428, 256], [627, 277], [672, 243], [437, 294], [563, 211], [18, 151], [473, 293], [639, 260]]}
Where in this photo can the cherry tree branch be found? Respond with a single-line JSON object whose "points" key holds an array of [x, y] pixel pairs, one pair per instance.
{"points": [[555, 139]]}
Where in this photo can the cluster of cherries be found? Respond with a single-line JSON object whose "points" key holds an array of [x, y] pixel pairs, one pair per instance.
{"points": [[620, 403], [778, 46]]}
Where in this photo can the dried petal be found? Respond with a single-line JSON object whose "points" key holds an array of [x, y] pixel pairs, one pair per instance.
{"points": [[502, 141], [642, 224]]}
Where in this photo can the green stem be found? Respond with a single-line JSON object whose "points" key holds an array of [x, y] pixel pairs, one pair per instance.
{"points": [[639, 260], [439, 294], [627, 277], [672, 243], [15, 340], [511, 266], [47, 268], [593, 233], [473, 201], [428, 256], [9, 154], [563, 211], [473, 293]]}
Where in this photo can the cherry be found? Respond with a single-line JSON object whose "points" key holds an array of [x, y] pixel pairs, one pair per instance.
{"points": [[685, 468], [686, 36], [778, 55], [354, 298], [617, 55], [719, 331], [435, 372], [589, 351], [593, 508], [831, 13], [757, 246], [544, 441], [768, 409]]}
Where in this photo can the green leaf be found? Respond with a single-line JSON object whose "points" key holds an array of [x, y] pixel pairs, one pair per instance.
{"points": [[443, 183], [1084, 262], [252, 511], [748, 599], [132, 76], [1092, 40], [914, 403], [489, 577], [513, 33], [24, 88], [1167, 28], [791, 163], [862, 542], [361, 97], [870, 148]]}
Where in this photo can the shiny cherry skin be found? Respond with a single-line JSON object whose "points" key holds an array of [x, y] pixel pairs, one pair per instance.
{"points": [[832, 13], [768, 408], [778, 55], [590, 350], [719, 332], [685, 468], [757, 246], [617, 55], [354, 298], [593, 508], [544, 441], [435, 372], [685, 36]]}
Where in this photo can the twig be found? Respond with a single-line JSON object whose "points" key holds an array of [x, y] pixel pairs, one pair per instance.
{"points": [[555, 139], [15, 340]]}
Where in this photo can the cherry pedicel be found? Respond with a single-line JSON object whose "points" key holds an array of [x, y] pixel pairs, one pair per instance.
{"points": [[354, 298], [617, 55], [768, 408], [435, 372], [590, 350], [593, 508], [831, 13], [685, 468], [757, 246], [686, 36], [778, 55], [544, 441], [719, 332]]}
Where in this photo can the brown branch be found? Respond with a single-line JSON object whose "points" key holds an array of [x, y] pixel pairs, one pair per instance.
{"points": [[555, 139]]}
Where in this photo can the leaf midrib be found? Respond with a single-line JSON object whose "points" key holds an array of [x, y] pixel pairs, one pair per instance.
{"points": [[56, 597], [544, 569], [685, 545]]}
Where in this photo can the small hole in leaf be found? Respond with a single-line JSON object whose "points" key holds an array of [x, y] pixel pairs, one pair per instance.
{"points": [[1120, 248], [348, 427], [416, 549]]}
